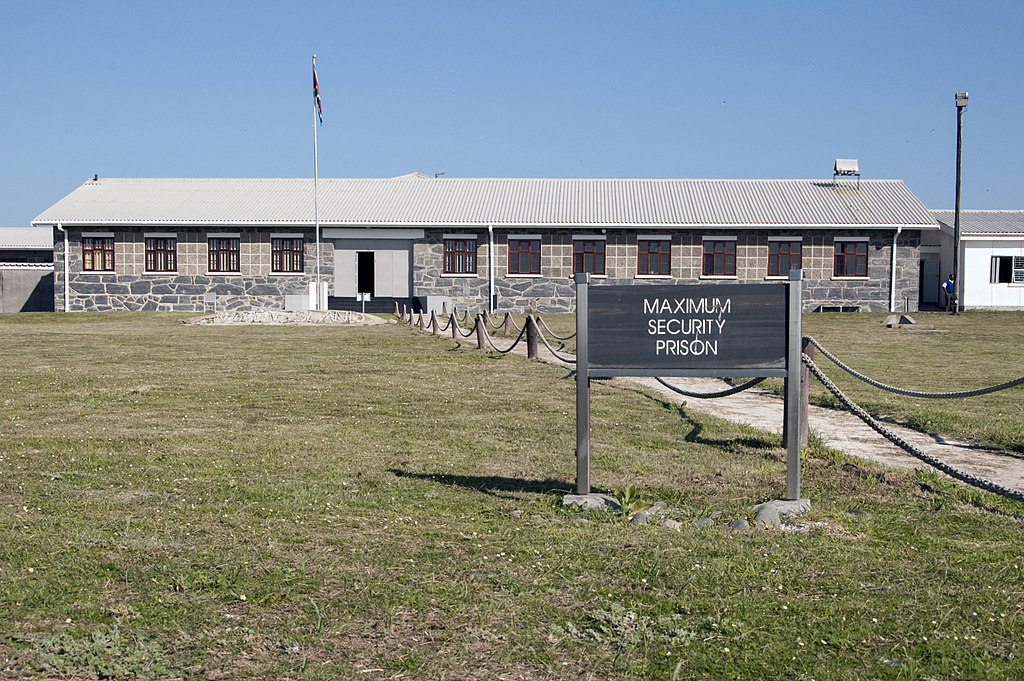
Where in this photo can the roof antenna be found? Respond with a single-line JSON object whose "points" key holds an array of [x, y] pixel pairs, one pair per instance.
{"points": [[95, 177], [440, 174]]}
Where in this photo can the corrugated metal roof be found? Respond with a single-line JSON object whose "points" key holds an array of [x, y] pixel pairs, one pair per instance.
{"points": [[36, 238], [984, 221], [512, 202]]}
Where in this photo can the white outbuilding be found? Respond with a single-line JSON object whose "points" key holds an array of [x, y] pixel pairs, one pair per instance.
{"points": [[991, 257]]}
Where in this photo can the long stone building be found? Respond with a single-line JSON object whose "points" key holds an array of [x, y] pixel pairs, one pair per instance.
{"points": [[503, 244]]}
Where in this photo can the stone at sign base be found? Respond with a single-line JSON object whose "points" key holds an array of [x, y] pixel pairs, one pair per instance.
{"points": [[592, 501], [769, 514]]}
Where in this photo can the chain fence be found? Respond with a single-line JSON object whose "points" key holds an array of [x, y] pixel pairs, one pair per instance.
{"points": [[912, 393], [910, 448], [554, 353], [543, 324], [490, 341], [536, 323], [722, 393]]}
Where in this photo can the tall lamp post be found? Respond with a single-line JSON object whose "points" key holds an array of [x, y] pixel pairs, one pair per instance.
{"points": [[958, 287]]}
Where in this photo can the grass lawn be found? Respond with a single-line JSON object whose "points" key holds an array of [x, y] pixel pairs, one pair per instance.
{"points": [[375, 503]]}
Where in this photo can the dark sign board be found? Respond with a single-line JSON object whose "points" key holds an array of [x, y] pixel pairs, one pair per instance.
{"points": [[703, 326]]}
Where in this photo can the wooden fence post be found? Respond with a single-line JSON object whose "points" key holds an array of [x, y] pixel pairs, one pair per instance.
{"points": [[396, 308], [419, 321], [481, 332], [531, 337], [435, 329], [506, 324]]}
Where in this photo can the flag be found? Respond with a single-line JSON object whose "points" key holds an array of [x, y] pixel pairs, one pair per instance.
{"points": [[316, 95]]}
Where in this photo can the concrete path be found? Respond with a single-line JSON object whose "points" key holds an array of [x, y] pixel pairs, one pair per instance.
{"points": [[844, 431], [840, 429]]}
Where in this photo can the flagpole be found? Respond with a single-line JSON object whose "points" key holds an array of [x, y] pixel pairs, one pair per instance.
{"points": [[316, 202]]}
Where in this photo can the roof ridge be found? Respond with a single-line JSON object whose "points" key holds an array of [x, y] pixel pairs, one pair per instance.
{"points": [[977, 210], [483, 179]]}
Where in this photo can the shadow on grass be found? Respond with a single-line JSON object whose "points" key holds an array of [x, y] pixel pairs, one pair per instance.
{"points": [[696, 433], [491, 484]]}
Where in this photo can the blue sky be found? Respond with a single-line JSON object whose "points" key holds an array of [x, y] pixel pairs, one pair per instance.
{"points": [[510, 89]]}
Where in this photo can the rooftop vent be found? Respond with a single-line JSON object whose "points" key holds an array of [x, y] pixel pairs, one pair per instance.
{"points": [[845, 168]]}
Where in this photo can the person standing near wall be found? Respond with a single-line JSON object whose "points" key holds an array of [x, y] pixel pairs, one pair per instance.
{"points": [[950, 290]]}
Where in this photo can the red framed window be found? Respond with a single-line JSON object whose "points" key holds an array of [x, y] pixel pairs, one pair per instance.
{"points": [[783, 256], [98, 253], [654, 256], [719, 258], [851, 259], [588, 255], [523, 256], [161, 254], [459, 256], [224, 254], [286, 254]]}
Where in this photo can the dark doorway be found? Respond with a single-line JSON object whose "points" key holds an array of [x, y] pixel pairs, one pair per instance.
{"points": [[364, 272]]}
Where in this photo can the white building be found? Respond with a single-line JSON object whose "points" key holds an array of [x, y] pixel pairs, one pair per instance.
{"points": [[991, 258]]}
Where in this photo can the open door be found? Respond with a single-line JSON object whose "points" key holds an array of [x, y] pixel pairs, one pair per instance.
{"points": [[364, 273]]}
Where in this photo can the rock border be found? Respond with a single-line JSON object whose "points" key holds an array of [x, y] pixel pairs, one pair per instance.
{"points": [[290, 318]]}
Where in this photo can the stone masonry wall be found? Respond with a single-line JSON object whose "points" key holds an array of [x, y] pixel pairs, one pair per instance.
{"points": [[553, 290], [129, 287]]}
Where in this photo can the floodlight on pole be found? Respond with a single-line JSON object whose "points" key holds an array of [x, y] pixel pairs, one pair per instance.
{"points": [[961, 104]]}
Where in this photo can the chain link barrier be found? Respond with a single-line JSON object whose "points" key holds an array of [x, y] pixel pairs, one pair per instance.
{"points": [[512, 347], [459, 331], [540, 322], [902, 443], [447, 324], [853, 407], [567, 360], [722, 393], [487, 324], [912, 393]]}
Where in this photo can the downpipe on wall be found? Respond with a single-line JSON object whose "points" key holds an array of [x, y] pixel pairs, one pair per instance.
{"points": [[892, 272], [67, 268], [490, 268]]}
